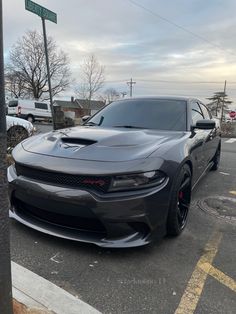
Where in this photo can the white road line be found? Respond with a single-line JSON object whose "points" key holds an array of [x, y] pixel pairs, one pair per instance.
{"points": [[230, 140], [225, 173]]}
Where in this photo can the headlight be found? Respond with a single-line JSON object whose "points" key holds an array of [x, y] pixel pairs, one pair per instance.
{"points": [[137, 180]]}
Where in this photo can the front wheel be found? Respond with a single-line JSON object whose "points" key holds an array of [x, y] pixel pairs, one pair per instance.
{"points": [[180, 202], [15, 135]]}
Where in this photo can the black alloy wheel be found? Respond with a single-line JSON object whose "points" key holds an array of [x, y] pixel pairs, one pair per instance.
{"points": [[180, 202]]}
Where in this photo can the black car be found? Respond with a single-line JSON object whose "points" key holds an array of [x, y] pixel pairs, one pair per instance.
{"points": [[122, 179]]}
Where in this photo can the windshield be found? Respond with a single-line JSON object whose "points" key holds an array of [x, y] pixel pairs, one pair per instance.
{"points": [[161, 114]]}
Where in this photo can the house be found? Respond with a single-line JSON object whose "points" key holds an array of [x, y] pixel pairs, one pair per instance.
{"points": [[93, 106], [81, 107], [71, 106]]}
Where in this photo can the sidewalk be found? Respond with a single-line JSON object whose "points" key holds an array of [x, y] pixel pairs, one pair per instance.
{"points": [[36, 295]]}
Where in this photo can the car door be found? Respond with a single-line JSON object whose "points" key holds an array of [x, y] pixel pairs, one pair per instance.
{"points": [[198, 139], [211, 140]]}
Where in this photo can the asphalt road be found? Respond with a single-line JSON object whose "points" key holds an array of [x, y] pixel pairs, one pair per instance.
{"points": [[151, 279], [43, 127]]}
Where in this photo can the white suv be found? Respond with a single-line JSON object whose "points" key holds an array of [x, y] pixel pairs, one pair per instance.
{"points": [[30, 110]]}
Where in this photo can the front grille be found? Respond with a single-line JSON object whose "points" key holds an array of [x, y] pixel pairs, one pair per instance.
{"points": [[96, 183], [80, 223]]}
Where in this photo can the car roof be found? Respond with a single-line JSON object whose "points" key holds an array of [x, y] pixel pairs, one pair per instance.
{"points": [[184, 98]]}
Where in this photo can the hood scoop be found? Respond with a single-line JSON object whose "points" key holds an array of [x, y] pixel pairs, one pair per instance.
{"points": [[77, 141]]}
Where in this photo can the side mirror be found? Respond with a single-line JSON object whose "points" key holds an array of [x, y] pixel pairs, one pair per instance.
{"points": [[85, 118], [204, 125]]}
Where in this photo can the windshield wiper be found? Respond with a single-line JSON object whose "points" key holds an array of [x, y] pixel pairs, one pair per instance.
{"points": [[91, 123], [128, 127]]}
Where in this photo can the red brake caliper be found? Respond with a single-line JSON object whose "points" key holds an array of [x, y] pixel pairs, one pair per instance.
{"points": [[181, 195]]}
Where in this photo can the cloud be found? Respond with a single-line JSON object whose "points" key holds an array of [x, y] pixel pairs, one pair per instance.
{"points": [[130, 42]]}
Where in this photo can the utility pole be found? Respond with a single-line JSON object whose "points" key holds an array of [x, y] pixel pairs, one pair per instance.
{"points": [[222, 110], [5, 260], [130, 84]]}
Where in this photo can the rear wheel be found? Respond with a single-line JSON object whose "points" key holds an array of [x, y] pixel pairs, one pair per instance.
{"points": [[216, 159], [180, 202]]}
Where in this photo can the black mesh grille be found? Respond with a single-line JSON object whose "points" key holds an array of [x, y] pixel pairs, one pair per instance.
{"points": [[100, 184]]}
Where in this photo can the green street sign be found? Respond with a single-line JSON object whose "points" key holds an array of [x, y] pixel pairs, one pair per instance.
{"points": [[41, 11]]}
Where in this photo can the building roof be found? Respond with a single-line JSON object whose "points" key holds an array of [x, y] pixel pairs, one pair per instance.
{"points": [[80, 103], [93, 105], [67, 104]]}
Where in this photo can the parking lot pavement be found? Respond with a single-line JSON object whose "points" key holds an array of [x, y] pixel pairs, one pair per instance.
{"points": [[194, 273], [43, 127]]}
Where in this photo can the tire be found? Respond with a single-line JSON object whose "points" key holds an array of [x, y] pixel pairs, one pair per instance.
{"points": [[15, 135], [180, 202], [216, 159], [30, 118]]}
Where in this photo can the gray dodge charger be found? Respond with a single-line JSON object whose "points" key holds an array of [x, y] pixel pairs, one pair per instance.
{"points": [[122, 179]]}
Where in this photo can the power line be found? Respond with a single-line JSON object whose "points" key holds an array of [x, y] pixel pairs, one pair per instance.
{"points": [[175, 81], [115, 81], [182, 82], [179, 26]]}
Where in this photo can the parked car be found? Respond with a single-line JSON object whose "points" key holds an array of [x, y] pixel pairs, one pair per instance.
{"points": [[122, 179], [17, 130], [30, 110]]}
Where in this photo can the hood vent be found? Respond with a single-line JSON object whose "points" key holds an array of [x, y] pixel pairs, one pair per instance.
{"points": [[78, 141]]}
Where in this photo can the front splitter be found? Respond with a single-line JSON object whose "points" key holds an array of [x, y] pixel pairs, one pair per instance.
{"points": [[134, 240]]}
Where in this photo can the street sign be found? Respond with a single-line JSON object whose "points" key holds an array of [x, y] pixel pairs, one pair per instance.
{"points": [[232, 114], [40, 11]]}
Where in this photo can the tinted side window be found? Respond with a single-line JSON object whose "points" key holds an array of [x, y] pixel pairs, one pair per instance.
{"points": [[196, 113], [13, 103], [205, 112], [40, 105]]}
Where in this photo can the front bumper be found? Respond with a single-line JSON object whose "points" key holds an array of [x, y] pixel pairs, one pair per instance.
{"points": [[126, 219]]}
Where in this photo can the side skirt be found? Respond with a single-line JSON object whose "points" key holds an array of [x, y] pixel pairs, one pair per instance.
{"points": [[203, 174]]}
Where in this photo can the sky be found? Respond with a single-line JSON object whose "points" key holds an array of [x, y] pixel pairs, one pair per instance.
{"points": [[164, 45]]}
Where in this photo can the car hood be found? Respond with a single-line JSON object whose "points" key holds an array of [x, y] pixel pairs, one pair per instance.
{"points": [[100, 144]]}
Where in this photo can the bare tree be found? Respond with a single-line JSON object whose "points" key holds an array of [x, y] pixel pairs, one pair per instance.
{"points": [[92, 78], [111, 94], [26, 70], [15, 86]]}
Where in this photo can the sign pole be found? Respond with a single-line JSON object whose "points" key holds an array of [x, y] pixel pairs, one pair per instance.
{"points": [[5, 260], [45, 14], [48, 70]]}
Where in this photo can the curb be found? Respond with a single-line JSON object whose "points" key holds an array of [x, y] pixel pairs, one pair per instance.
{"points": [[40, 294]]}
